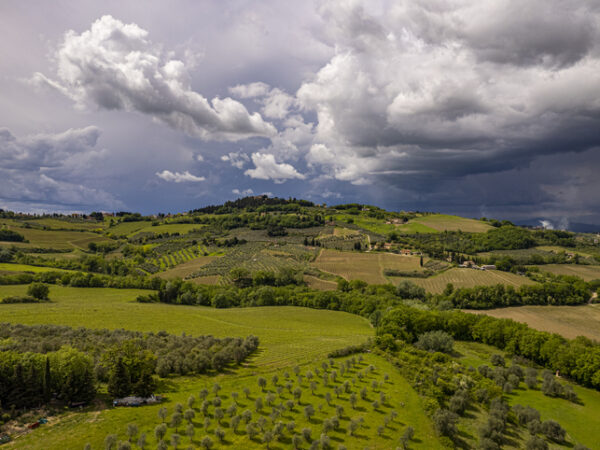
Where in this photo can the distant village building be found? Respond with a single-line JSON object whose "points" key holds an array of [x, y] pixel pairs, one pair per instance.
{"points": [[488, 267]]}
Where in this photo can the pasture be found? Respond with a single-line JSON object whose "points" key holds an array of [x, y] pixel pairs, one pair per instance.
{"points": [[9, 267], [568, 321], [364, 266], [581, 421], [460, 277], [444, 222], [57, 239], [287, 334], [587, 273]]}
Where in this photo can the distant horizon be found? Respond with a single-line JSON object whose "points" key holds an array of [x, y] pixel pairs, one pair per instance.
{"points": [[532, 223]]}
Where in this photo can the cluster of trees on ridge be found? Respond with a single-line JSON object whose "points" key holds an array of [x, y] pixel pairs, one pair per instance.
{"points": [[43, 361]]}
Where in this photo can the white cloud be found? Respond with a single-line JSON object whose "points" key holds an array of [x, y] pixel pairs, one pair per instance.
{"points": [[266, 168], [237, 159], [179, 177], [277, 104], [115, 66], [251, 90], [243, 192]]}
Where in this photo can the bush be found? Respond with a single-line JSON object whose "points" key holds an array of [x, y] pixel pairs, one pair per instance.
{"points": [[435, 341], [38, 290], [444, 422]]}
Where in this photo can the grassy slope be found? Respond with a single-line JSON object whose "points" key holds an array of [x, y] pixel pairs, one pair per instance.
{"points": [[9, 267], [444, 222], [289, 334], [57, 239], [569, 321]]}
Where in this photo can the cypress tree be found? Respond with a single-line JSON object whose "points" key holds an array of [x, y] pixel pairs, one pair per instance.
{"points": [[47, 388], [119, 384]]}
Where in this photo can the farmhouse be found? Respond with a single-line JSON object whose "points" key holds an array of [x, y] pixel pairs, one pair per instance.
{"points": [[488, 267]]}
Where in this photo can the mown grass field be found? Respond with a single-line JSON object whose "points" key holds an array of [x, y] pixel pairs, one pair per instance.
{"points": [[187, 268], [444, 222], [287, 334], [56, 239], [467, 278], [9, 267], [581, 421], [568, 321], [364, 266], [588, 273]]}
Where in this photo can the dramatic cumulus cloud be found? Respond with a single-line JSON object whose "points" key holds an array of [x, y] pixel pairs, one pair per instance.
{"points": [[266, 168], [432, 90], [115, 66], [50, 170], [179, 177]]}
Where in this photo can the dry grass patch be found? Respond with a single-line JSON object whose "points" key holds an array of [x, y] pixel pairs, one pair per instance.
{"points": [[364, 266], [568, 321], [587, 273], [321, 285]]}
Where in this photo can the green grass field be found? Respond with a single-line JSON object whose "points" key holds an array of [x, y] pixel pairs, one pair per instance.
{"points": [[364, 266], [9, 267], [467, 278], [582, 421], [288, 334], [57, 239], [568, 321], [444, 222], [588, 273]]}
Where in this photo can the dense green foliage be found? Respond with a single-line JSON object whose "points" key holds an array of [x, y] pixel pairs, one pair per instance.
{"points": [[561, 290], [11, 236], [31, 379]]}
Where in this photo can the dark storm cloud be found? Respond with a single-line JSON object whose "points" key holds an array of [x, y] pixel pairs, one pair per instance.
{"points": [[39, 169]]}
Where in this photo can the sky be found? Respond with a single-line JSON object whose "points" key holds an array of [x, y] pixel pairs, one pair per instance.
{"points": [[473, 107]]}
